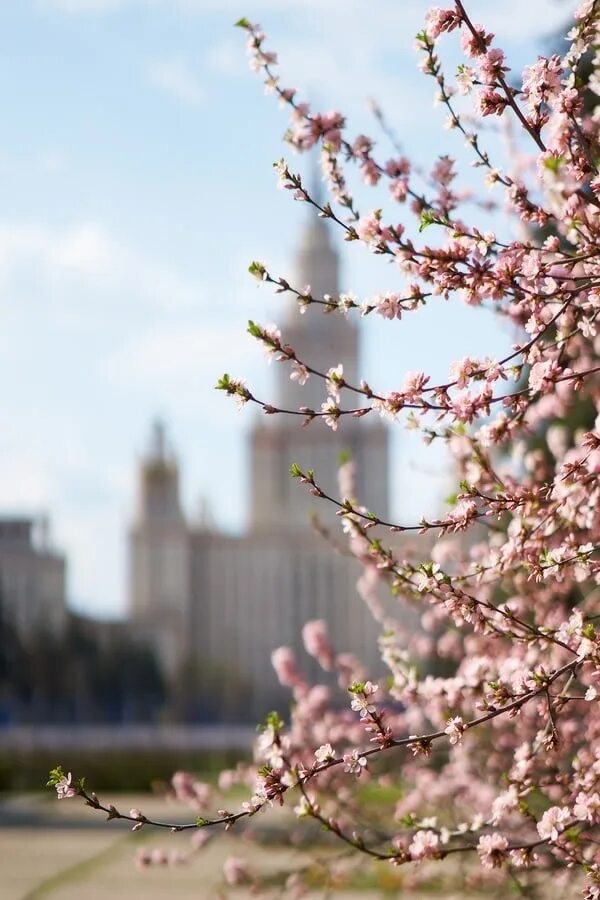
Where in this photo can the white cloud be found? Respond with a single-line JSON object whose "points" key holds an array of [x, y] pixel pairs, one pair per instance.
{"points": [[78, 495], [70, 298], [25, 485], [87, 260], [316, 42], [151, 353], [344, 18], [315, 49], [180, 354], [227, 58], [175, 77], [96, 577]]}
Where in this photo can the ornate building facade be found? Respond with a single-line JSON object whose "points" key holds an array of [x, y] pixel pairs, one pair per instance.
{"points": [[225, 602]]}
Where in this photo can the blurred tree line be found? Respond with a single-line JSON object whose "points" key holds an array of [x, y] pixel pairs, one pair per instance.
{"points": [[92, 673], [97, 673]]}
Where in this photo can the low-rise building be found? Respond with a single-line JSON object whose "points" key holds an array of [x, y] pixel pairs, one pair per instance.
{"points": [[32, 577]]}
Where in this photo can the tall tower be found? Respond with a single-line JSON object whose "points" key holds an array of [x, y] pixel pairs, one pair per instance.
{"points": [[159, 556], [320, 340]]}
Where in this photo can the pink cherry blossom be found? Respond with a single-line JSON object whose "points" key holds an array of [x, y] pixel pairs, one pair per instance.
{"points": [[455, 728], [235, 871], [553, 822], [317, 643], [354, 764], [64, 788], [284, 663], [492, 850], [424, 845], [485, 610], [324, 753]]}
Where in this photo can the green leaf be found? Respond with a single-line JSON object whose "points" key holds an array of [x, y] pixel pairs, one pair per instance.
{"points": [[54, 776], [243, 23], [553, 163], [427, 219], [254, 329], [295, 470], [272, 720], [344, 457], [224, 383], [257, 269]]}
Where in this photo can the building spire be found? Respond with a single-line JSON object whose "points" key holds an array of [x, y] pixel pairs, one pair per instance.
{"points": [[315, 179], [159, 479], [317, 262], [319, 340], [159, 449]]}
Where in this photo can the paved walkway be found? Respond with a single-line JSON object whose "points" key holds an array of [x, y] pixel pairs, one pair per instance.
{"points": [[51, 850], [65, 851]]}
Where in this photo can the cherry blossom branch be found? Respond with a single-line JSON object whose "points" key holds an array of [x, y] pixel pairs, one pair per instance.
{"points": [[67, 789]]}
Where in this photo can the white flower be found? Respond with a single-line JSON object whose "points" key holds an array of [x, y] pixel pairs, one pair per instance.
{"points": [[324, 753], [492, 849], [303, 808], [454, 729], [505, 802], [465, 79], [360, 700], [331, 414], [346, 302], [283, 173], [335, 379], [64, 788], [587, 806], [299, 372], [354, 764], [272, 341], [553, 822], [424, 845]]}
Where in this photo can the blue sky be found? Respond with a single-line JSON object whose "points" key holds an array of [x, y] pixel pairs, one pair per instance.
{"points": [[136, 186]]}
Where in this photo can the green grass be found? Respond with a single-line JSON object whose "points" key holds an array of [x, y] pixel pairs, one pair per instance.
{"points": [[115, 771]]}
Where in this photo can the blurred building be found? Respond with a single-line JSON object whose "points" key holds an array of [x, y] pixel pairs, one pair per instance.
{"points": [[226, 602], [32, 578]]}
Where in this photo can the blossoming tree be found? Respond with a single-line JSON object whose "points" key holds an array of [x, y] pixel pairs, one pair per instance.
{"points": [[499, 760]]}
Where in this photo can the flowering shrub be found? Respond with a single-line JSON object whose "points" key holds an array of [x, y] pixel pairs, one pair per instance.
{"points": [[498, 760]]}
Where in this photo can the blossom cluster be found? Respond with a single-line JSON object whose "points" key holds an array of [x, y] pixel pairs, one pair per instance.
{"points": [[494, 751]]}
